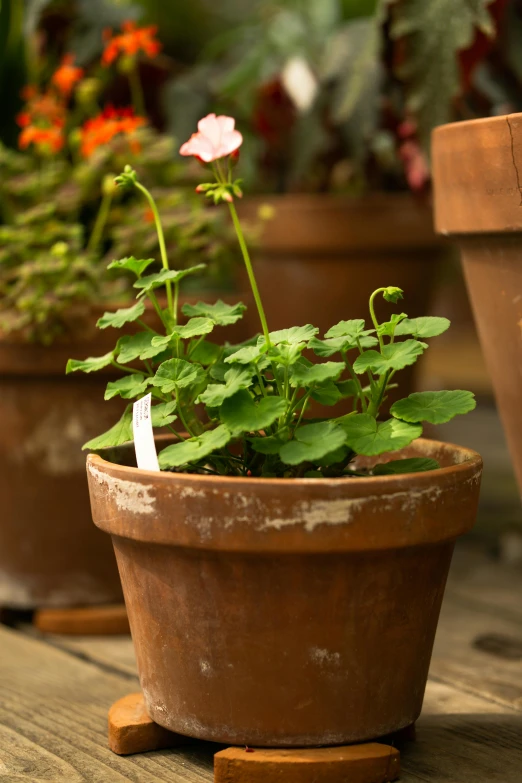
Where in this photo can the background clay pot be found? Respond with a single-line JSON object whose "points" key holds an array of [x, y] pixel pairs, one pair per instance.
{"points": [[477, 169], [50, 552], [277, 612], [321, 256]]}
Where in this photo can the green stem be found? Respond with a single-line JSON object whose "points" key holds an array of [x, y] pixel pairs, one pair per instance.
{"points": [[250, 272], [373, 316], [305, 403], [100, 223], [260, 381], [356, 380], [136, 89], [176, 301], [125, 369], [146, 326], [161, 240], [155, 303]]}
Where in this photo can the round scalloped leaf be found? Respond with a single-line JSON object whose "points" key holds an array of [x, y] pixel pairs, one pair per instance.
{"points": [[137, 346], [159, 279], [410, 465], [241, 414], [367, 436], [121, 317], [250, 354], [292, 336], [353, 328], [315, 374], [313, 442], [92, 364], [204, 352], [394, 356], [128, 387], [194, 449], [220, 313], [235, 379], [436, 407], [136, 265], [175, 373], [428, 326], [163, 413]]}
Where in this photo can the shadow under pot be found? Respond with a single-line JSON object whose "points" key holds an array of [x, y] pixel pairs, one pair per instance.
{"points": [[285, 612]]}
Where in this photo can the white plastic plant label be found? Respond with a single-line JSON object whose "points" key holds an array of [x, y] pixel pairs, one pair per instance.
{"points": [[144, 445]]}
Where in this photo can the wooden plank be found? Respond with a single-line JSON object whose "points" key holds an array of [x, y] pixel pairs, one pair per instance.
{"points": [[53, 723], [53, 713]]}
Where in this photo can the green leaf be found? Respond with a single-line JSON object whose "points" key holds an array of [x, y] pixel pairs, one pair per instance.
{"points": [[175, 373], [220, 313], [136, 265], [163, 413], [393, 294], [159, 279], [328, 394], [128, 387], [326, 348], [194, 449], [92, 364], [235, 379], [204, 352], [436, 407], [433, 34], [388, 328], [137, 346], [241, 414], [315, 374], [121, 317], [250, 354], [313, 442], [333, 457], [120, 433], [429, 326], [365, 435], [195, 327], [266, 445], [412, 465], [347, 388], [394, 356], [353, 329], [292, 336]]}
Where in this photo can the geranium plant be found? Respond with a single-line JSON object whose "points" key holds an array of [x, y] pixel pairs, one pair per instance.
{"points": [[240, 409], [59, 188]]}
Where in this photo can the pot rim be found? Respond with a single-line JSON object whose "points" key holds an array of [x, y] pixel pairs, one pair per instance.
{"points": [[470, 458]]}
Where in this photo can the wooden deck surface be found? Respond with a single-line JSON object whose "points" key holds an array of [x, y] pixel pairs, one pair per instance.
{"points": [[55, 693]]}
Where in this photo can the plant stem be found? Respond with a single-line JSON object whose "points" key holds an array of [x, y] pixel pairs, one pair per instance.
{"points": [[161, 240], [305, 403], [99, 224], [373, 316], [136, 88], [356, 380], [250, 272]]}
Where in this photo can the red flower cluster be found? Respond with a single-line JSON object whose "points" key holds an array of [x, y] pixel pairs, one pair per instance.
{"points": [[131, 40], [42, 121], [102, 129], [67, 75]]}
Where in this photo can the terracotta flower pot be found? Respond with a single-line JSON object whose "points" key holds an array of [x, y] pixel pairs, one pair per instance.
{"points": [[477, 169], [321, 256], [285, 612], [50, 555]]}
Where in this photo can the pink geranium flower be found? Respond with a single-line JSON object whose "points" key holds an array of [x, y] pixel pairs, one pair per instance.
{"points": [[216, 138]]}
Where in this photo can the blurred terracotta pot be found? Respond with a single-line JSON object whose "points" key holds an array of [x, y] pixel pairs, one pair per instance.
{"points": [[321, 256], [49, 553], [285, 612], [477, 170]]}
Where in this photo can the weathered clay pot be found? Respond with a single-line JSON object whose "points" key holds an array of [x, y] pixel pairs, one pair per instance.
{"points": [[477, 170], [285, 612], [50, 552]]}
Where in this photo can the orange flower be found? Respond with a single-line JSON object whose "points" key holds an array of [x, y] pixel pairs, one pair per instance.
{"points": [[41, 106], [132, 40], [50, 138], [67, 75], [103, 128]]}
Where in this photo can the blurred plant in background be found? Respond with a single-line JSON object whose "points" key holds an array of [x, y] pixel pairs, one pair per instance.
{"points": [[61, 219], [354, 87]]}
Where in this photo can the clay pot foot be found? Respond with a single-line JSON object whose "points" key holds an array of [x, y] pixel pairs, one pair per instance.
{"points": [[132, 731], [110, 619]]}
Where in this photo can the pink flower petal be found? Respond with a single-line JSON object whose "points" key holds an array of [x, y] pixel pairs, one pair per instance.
{"points": [[210, 128]]}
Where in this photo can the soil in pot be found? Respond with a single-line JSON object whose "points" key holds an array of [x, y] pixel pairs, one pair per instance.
{"points": [[285, 612]]}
